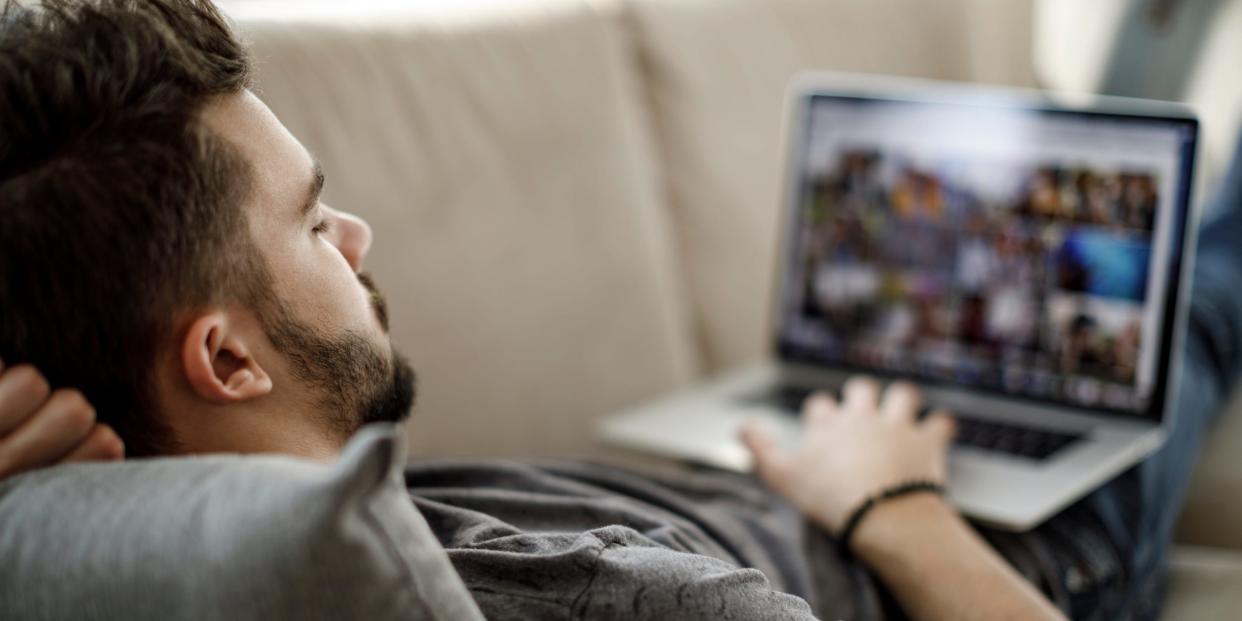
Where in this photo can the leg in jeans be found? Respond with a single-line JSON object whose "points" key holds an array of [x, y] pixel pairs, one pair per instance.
{"points": [[1107, 556]]}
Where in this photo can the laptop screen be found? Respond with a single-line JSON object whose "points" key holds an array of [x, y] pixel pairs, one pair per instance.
{"points": [[1031, 252]]}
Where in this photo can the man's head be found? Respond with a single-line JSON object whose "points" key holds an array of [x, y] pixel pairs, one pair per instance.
{"points": [[163, 247]]}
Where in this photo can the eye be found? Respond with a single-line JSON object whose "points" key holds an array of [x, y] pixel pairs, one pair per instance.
{"points": [[323, 227]]}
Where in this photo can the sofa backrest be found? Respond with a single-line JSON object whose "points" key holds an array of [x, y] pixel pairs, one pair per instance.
{"points": [[500, 153]]}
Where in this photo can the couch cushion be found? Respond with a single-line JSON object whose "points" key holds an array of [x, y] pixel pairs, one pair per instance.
{"points": [[225, 537], [499, 151], [717, 71], [1203, 584]]}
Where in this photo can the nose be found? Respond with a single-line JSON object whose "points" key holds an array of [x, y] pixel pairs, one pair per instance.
{"points": [[353, 237]]}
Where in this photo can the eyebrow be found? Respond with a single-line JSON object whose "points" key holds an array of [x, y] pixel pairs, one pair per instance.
{"points": [[314, 190]]}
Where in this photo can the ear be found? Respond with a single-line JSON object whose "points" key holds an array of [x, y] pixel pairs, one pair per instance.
{"points": [[219, 365]]}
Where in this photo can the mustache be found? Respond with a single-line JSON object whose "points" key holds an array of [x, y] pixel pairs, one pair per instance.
{"points": [[378, 303]]}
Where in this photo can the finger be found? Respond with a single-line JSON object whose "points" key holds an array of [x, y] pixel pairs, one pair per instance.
{"points": [[901, 402], [101, 444], [50, 434], [861, 395], [942, 425], [818, 407], [22, 390], [770, 462]]}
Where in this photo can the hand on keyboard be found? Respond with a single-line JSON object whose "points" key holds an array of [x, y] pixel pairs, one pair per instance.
{"points": [[853, 449]]}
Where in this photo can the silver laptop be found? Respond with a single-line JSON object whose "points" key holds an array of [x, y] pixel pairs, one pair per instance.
{"points": [[1022, 257]]}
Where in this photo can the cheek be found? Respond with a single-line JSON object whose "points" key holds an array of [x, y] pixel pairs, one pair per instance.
{"points": [[344, 293], [325, 291]]}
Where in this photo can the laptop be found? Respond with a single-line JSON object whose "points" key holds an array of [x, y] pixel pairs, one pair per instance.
{"points": [[1022, 257]]}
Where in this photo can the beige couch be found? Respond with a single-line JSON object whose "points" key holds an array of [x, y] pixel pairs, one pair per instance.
{"points": [[575, 201]]}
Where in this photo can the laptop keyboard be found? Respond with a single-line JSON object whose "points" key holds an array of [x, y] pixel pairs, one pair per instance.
{"points": [[977, 433]]}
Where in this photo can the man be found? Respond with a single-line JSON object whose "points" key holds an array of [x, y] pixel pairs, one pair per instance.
{"points": [[142, 182]]}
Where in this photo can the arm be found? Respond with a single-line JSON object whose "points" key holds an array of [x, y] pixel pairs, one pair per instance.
{"points": [[39, 427], [924, 552], [939, 568]]}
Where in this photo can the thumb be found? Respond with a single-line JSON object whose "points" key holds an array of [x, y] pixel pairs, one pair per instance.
{"points": [[770, 462]]}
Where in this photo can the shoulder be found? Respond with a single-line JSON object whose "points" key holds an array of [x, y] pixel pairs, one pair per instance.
{"points": [[643, 582], [613, 573]]}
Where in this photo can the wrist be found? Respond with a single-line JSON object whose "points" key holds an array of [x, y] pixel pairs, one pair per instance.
{"points": [[864, 508], [896, 526]]}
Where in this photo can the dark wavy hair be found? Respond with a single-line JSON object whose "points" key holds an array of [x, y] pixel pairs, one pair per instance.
{"points": [[119, 210]]}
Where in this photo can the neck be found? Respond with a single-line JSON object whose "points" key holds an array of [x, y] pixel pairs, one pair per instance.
{"points": [[263, 426], [255, 432]]}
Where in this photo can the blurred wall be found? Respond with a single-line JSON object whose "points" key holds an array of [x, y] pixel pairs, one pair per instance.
{"points": [[1120, 47], [1215, 88]]}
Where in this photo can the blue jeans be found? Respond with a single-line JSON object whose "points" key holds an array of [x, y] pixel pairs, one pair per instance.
{"points": [[1106, 557]]}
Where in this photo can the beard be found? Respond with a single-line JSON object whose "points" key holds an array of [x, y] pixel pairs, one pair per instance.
{"points": [[355, 384]]}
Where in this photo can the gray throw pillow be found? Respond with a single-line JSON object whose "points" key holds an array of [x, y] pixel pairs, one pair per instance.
{"points": [[225, 537]]}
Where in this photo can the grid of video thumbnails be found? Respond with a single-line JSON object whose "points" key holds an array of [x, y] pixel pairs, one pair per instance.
{"points": [[1030, 279]]}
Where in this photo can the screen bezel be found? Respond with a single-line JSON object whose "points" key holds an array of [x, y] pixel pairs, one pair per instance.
{"points": [[1181, 237]]}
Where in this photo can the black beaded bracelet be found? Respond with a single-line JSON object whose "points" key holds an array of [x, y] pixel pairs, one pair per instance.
{"points": [[856, 516]]}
